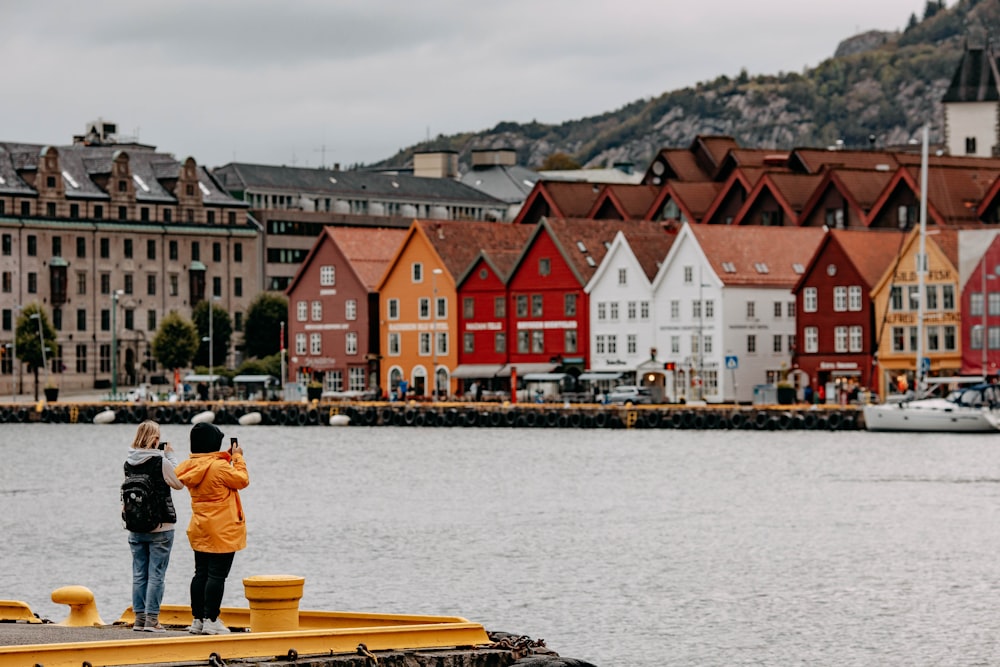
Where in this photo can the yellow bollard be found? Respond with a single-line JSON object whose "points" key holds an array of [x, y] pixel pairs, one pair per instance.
{"points": [[274, 602], [82, 609]]}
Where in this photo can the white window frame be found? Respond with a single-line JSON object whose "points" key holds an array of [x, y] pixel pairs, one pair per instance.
{"points": [[302, 311], [393, 308], [840, 337], [351, 342], [351, 309], [809, 299], [327, 275], [855, 338], [315, 344], [300, 343], [854, 298], [395, 344], [811, 342], [417, 272], [840, 299], [317, 311]]}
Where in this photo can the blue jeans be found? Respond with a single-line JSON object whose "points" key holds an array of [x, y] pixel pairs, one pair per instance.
{"points": [[150, 557]]}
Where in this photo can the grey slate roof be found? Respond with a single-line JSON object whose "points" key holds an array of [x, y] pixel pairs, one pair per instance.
{"points": [[349, 184], [508, 183], [81, 161], [10, 182]]}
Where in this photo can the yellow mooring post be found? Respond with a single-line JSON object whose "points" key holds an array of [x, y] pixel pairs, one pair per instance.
{"points": [[274, 602], [82, 608]]}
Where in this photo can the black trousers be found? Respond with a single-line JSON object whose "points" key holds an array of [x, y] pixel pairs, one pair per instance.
{"points": [[209, 583]]}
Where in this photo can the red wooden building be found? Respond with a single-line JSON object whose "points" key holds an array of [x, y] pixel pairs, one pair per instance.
{"points": [[333, 313], [834, 293], [981, 314]]}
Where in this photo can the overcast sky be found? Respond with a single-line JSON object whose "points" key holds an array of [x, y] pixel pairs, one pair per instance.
{"points": [[276, 82]]}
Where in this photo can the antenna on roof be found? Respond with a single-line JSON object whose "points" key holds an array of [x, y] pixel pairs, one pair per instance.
{"points": [[322, 155]]}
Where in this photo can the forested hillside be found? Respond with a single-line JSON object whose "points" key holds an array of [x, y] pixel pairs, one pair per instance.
{"points": [[879, 87]]}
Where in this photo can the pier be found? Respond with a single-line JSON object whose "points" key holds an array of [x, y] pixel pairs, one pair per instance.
{"points": [[453, 414]]}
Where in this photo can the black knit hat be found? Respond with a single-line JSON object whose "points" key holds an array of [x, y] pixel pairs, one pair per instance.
{"points": [[205, 438]]}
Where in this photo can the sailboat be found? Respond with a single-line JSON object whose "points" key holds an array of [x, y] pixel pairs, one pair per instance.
{"points": [[972, 409]]}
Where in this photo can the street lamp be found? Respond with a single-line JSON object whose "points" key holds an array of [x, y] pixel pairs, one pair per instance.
{"points": [[114, 342], [434, 274], [41, 343]]}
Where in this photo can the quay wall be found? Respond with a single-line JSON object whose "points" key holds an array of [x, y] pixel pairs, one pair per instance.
{"points": [[459, 415]]}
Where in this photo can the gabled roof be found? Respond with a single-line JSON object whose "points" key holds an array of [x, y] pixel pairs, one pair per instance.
{"points": [[677, 164], [558, 199], [953, 193], [650, 247], [628, 201], [739, 180], [790, 191], [693, 199], [583, 243], [859, 188], [504, 246], [756, 255], [458, 244], [870, 251], [945, 239], [367, 250], [713, 148]]}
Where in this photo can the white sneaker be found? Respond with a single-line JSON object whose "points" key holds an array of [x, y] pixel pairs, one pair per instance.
{"points": [[196, 627], [216, 627]]}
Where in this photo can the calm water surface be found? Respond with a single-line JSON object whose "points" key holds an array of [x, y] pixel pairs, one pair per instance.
{"points": [[633, 548]]}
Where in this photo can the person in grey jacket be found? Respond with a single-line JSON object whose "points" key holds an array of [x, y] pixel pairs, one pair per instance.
{"points": [[151, 551]]}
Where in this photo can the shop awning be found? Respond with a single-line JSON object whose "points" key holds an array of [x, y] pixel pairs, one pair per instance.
{"points": [[597, 376], [202, 378], [256, 379], [522, 369], [544, 377], [465, 371]]}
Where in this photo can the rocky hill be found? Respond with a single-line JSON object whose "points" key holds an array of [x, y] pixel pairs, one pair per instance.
{"points": [[879, 88]]}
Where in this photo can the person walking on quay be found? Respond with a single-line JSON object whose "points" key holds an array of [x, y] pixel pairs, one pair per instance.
{"points": [[149, 516], [218, 527]]}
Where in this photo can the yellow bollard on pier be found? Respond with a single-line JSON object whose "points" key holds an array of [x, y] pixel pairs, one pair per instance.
{"points": [[274, 602], [82, 608]]}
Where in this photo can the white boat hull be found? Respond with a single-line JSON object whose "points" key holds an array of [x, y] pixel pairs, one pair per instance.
{"points": [[930, 416], [339, 420]]}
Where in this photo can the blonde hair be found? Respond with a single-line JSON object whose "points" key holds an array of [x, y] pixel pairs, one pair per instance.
{"points": [[147, 436]]}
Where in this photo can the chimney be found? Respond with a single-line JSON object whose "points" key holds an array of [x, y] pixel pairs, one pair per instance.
{"points": [[436, 164]]}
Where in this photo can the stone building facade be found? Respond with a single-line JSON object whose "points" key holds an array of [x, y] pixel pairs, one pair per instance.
{"points": [[103, 224]]}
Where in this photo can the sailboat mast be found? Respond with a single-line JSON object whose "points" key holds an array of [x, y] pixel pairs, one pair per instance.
{"points": [[921, 267]]}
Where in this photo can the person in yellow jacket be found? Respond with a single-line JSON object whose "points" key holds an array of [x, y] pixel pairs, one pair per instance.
{"points": [[218, 527]]}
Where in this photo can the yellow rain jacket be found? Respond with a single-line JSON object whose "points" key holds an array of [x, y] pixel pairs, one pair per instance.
{"points": [[217, 522]]}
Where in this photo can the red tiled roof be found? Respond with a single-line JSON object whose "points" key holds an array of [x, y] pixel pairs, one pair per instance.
{"points": [[755, 255], [634, 200], [795, 189], [458, 243], [572, 199], [367, 250], [871, 251], [956, 192], [685, 165], [715, 146], [863, 186], [696, 197], [815, 160], [594, 236], [650, 247]]}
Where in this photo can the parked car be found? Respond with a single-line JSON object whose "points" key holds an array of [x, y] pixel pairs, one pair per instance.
{"points": [[630, 395]]}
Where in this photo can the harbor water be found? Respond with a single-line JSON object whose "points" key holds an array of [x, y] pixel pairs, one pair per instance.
{"points": [[634, 548]]}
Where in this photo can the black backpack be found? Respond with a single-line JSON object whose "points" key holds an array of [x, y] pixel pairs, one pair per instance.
{"points": [[140, 503]]}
